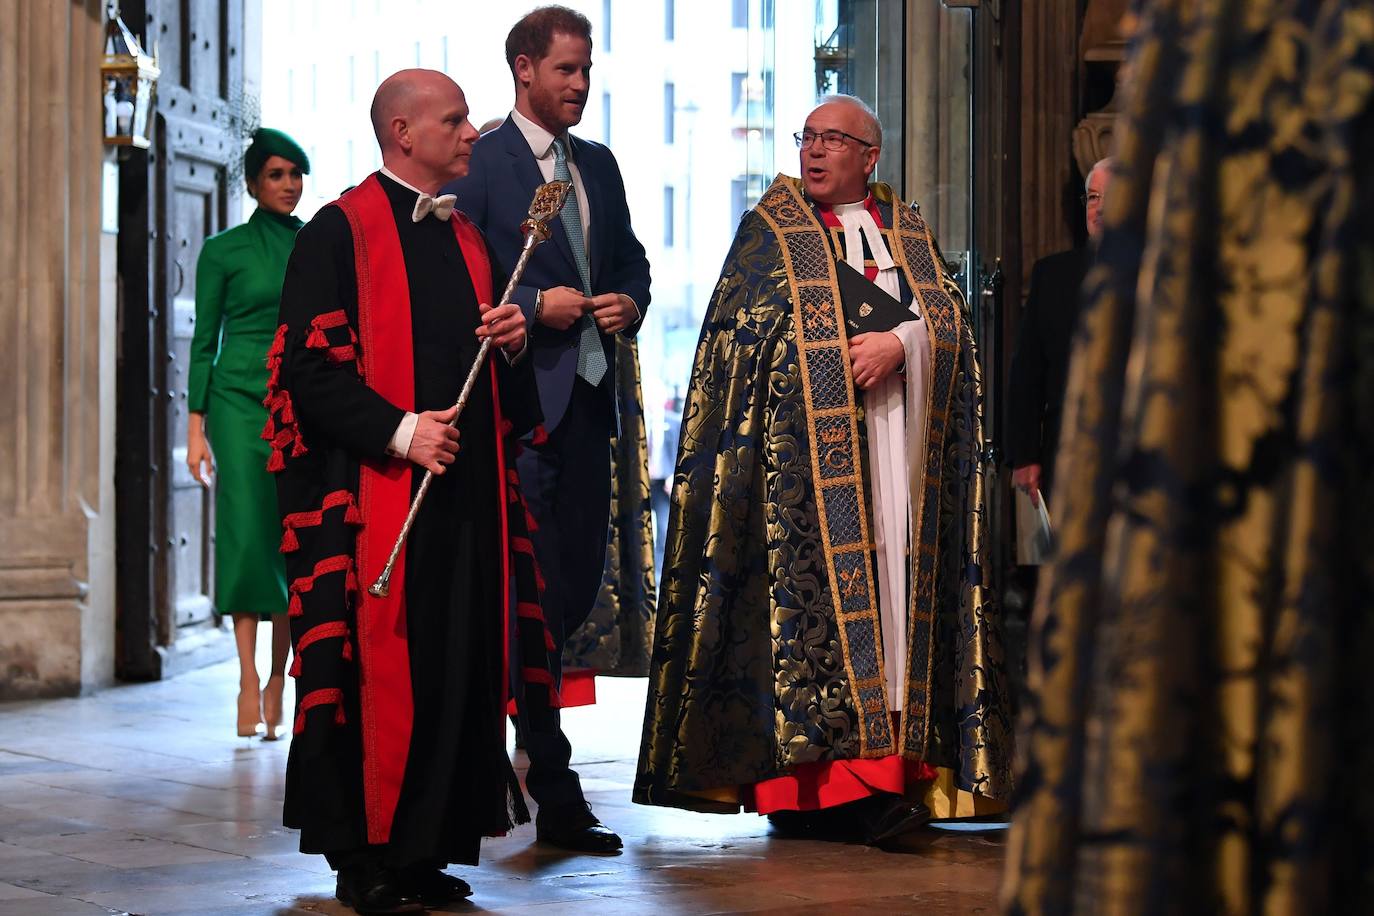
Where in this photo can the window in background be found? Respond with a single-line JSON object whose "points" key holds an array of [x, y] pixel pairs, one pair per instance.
{"points": [[376, 70], [314, 86], [668, 216], [606, 24], [443, 53], [766, 13], [737, 84], [417, 54], [739, 14], [352, 79], [669, 112], [669, 19], [739, 189], [291, 91], [348, 163], [606, 118]]}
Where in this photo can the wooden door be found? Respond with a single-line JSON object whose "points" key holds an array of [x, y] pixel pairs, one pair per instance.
{"points": [[173, 197]]}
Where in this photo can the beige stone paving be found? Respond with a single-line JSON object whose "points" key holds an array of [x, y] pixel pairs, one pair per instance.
{"points": [[141, 800]]}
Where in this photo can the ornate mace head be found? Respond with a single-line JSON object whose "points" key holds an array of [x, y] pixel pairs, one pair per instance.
{"points": [[548, 201]]}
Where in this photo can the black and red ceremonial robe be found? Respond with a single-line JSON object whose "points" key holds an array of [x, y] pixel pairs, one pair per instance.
{"points": [[341, 515]]}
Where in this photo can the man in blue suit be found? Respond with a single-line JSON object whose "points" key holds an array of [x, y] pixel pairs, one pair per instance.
{"points": [[590, 284]]}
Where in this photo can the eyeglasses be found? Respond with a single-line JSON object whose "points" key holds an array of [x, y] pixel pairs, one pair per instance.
{"points": [[832, 140], [1090, 200]]}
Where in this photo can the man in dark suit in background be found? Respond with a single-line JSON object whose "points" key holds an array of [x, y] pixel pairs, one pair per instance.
{"points": [[1040, 366], [590, 284]]}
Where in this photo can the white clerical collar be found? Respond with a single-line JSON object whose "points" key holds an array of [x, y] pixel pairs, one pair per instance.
{"points": [[857, 223], [400, 181], [539, 139], [425, 203]]}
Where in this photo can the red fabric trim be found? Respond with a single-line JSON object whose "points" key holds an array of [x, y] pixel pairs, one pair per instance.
{"points": [[578, 688], [474, 250], [337, 563], [828, 783], [329, 320], [332, 630], [522, 545], [345, 354], [319, 698], [540, 435], [316, 516], [387, 365]]}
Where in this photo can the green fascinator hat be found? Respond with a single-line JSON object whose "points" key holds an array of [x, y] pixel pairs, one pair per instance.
{"points": [[268, 143]]}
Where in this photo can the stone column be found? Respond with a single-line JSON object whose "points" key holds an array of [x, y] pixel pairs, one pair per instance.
{"points": [[1050, 184], [57, 318]]}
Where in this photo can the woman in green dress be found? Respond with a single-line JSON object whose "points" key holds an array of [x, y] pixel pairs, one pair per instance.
{"points": [[238, 285]]}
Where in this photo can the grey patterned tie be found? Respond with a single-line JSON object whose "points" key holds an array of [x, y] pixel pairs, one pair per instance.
{"points": [[591, 359]]}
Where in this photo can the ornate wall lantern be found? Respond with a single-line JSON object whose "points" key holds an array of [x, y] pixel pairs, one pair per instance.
{"points": [[128, 77]]}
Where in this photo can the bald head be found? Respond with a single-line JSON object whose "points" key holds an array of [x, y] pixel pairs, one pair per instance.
{"points": [[401, 95], [420, 118]]}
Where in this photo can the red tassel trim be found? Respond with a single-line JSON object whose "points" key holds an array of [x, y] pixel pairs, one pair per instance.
{"points": [[326, 566], [298, 448], [288, 414], [316, 340], [548, 641], [269, 430], [540, 435], [335, 629], [294, 608], [289, 541], [529, 610], [335, 319], [348, 651], [345, 354], [276, 462], [530, 524], [278, 343], [521, 545], [321, 697], [295, 666], [316, 516], [507, 427]]}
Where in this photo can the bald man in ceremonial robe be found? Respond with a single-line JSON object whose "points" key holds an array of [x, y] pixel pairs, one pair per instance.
{"points": [[398, 766]]}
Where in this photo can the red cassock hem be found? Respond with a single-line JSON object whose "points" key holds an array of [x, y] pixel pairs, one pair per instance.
{"points": [[828, 783]]}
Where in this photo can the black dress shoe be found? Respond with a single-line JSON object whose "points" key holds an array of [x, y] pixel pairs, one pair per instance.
{"points": [[892, 819], [372, 889], [574, 827], [434, 887]]}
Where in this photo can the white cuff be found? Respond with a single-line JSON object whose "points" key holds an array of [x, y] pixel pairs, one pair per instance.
{"points": [[399, 446], [639, 315], [513, 359]]}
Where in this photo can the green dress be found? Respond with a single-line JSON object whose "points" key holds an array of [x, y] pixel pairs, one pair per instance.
{"points": [[238, 285]]}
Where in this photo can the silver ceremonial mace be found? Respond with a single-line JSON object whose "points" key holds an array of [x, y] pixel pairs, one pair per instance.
{"points": [[548, 201]]}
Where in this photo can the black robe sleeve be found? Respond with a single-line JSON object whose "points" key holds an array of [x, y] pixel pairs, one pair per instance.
{"points": [[328, 396]]}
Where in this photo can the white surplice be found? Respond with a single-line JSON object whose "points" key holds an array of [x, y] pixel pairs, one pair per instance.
{"points": [[895, 419]]}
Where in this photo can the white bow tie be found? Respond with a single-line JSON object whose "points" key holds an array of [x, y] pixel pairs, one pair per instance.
{"points": [[441, 206]]}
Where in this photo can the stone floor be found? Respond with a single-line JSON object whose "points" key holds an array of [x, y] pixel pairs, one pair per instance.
{"points": [[140, 800]]}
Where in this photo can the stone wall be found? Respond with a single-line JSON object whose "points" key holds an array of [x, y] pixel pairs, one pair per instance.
{"points": [[57, 320]]}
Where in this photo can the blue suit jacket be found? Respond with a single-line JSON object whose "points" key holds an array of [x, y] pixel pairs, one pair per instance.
{"points": [[496, 194]]}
